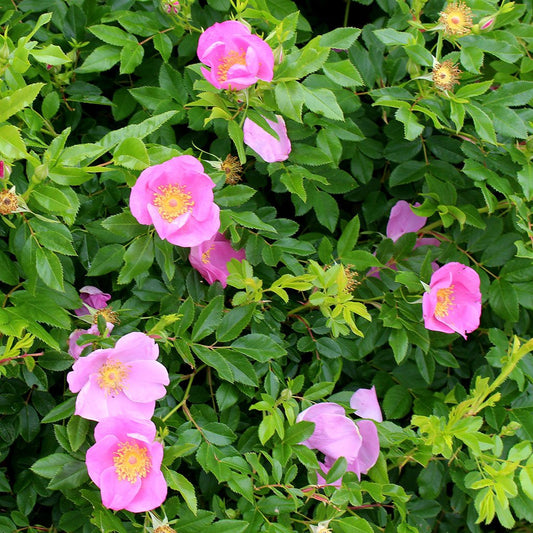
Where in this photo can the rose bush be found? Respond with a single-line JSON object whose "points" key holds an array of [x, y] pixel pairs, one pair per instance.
{"points": [[289, 151]]}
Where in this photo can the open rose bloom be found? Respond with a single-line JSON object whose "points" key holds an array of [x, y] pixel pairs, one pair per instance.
{"points": [[336, 435], [122, 381], [237, 59], [211, 258], [125, 463], [177, 198], [453, 304], [265, 144]]}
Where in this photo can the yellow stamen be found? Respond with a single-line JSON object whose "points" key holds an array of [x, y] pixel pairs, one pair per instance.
{"points": [[445, 75], [233, 169], [164, 529], [234, 57], [173, 201], [456, 18], [112, 375], [8, 202], [108, 314], [131, 462], [444, 302], [206, 254]]}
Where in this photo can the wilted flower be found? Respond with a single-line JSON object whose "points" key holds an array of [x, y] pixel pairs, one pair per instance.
{"points": [[265, 144], [9, 202], [121, 381], [453, 303], [177, 198], [456, 18], [445, 75], [236, 57], [232, 167], [211, 258], [74, 349], [125, 464], [91, 297], [336, 435]]}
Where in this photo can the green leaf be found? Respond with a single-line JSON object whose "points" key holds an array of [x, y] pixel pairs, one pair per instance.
{"points": [[124, 224], [50, 55], [343, 73], [28, 423], [77, 429], [18, 100], [407, 172], [354, 524], [341, 38], [399, 343], [218, 434], [311, 57], [49, 466], [511, 94], [213, 358], [107, 259], [101, 59], [112, 35], [11, 144], [138, 258], [49, 268], [209, 319], [233, 322], [337, 470], [322, 102], [51, 199], [290, 99], [259, 347], [163, 45], [419, 54], [392, 37], [131, 57], [180, 483], [482, 122], [131, 153], [471, 58], [234, 195], [248, 219], [412, 128], [71, 475], [473, 89], [503, 299], [349, 236], [55, 237], [237, 136], [397, 402], [319, 390]]}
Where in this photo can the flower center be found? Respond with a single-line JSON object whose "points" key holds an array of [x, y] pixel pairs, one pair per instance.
{"points": [[234, 57], [112, 375], [232, 168], [108, 314], [444, 301], [131, 462], [8, 202], [173, 201], [206, 255], [456, 18], [445, 75]]}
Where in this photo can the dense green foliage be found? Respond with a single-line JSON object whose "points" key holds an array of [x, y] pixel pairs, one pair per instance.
{"points": [[92, 93]]}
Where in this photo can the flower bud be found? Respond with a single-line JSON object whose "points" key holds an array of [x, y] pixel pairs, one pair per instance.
{"points": [[171, 7], [5, 170]]}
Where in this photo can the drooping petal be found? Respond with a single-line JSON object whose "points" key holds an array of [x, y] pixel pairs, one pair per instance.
{"points": [[403, 220], [366, 405], [369, 451]]}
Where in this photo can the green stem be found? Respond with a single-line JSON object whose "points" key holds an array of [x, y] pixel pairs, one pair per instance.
{"points": [[300, 308], [439, 46], [185, 396], [346, 13]]}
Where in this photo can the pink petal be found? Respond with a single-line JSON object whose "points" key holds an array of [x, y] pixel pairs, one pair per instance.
{"points": [[84, 367], [365, 403], [99, 457], [117, 494], [369, 451], [402, 220], [135, 346], [123, 428], [146, 381]]}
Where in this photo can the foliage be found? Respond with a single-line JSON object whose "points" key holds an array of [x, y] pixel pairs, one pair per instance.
{"points": [[92, 93]]}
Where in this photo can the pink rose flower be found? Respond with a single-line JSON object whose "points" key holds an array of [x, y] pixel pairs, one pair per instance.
{"points": [[336, 435], [125, 464], [265, 144], [236, 57], [177, 198], [74, 349], [211, 257], [453, 303], [91, 297], [121, 381]]}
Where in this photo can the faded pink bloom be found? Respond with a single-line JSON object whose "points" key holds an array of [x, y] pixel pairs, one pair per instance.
{"points": [[74, 349], [365, 404], [211, 258], [265, 144], [236, 57], [453, 304], [121, 381], [177, 198], [125, 464], [336, 435], [91, 297]]}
